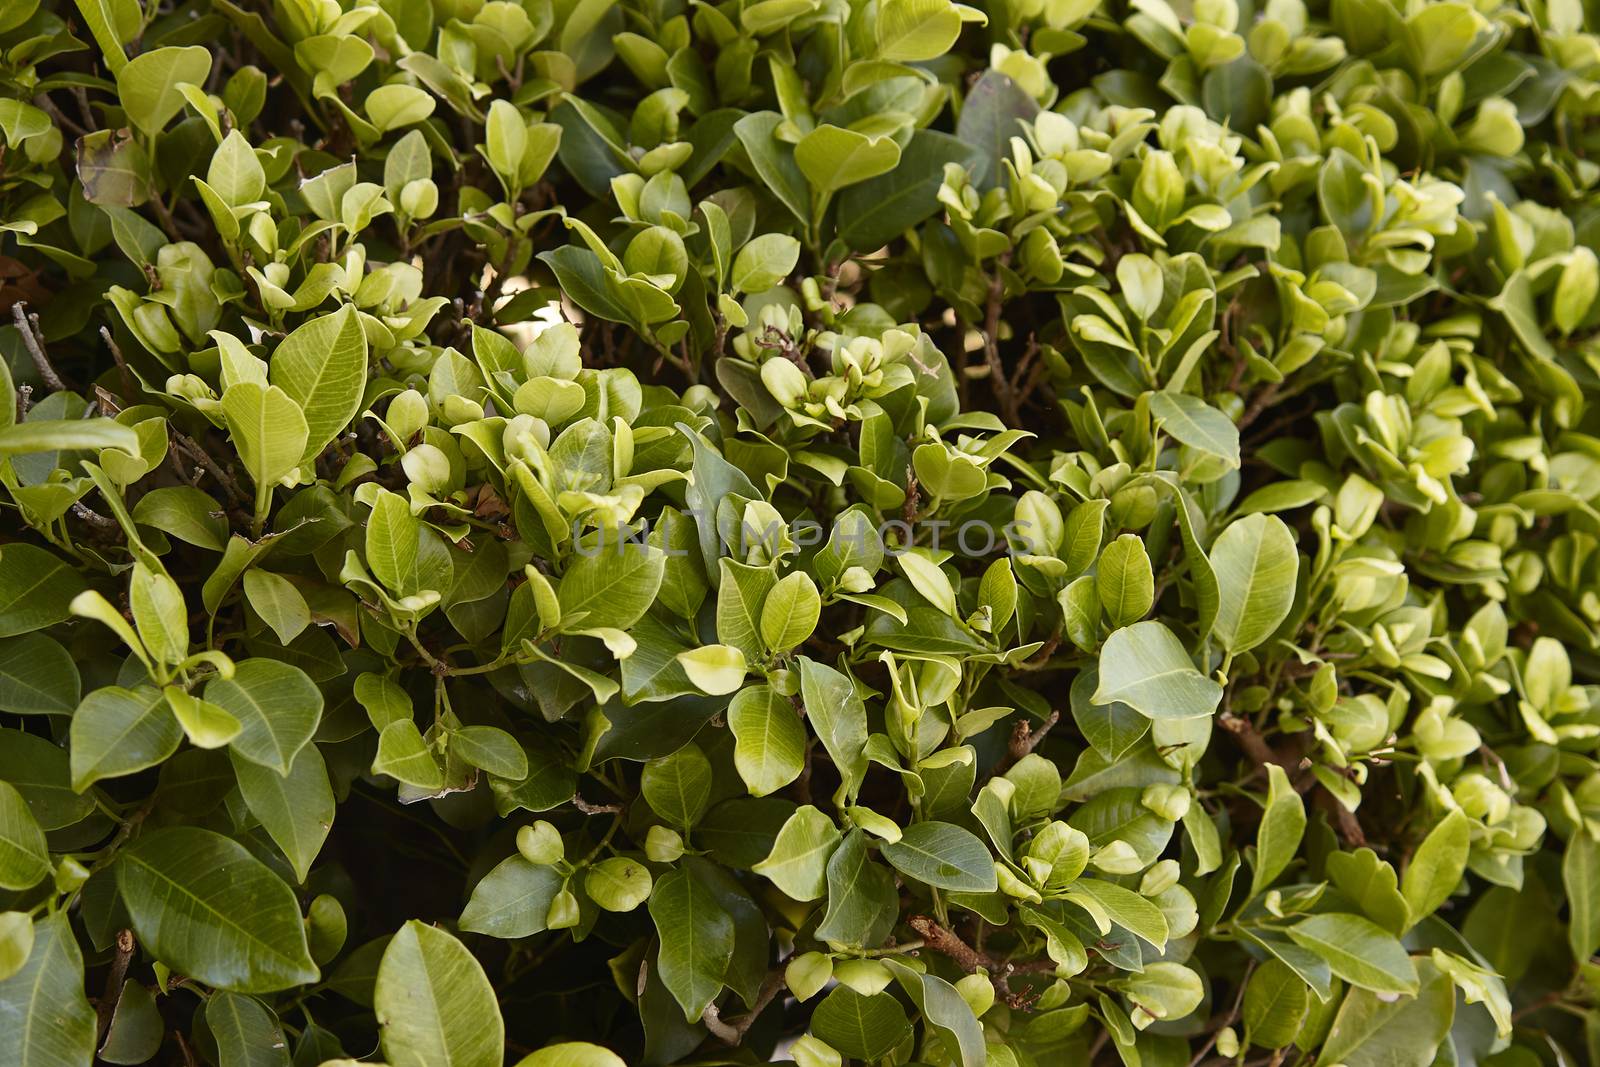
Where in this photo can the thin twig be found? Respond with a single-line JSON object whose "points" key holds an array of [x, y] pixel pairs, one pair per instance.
{"points": [[92, 517], [28, 325], [733, 1033], [201, 456], [594, 809], [1228, 1020], [129, 389]]}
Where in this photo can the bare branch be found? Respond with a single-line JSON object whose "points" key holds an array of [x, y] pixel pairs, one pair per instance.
{"points": [[32, 339]]}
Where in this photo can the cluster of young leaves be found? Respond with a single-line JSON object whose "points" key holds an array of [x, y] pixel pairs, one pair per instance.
{"points": [[584, 532]]}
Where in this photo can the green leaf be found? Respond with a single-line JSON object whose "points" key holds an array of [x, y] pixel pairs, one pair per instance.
{"points": [[112, 23], [36, 589], [278, 602], [404, 756], [205, 724], [185, 513], [67, 435], [678, 786], [832, 157], [1197, 424], [1376, 1029], [1125, 581], [943, 856], [1438, 864], [118, 731], [148, 85], [1275, 1005], [204, 906], [1359, 951], [613, 587], [696, 940], [37, 676], [946, 1012], [512, 900], [1124, 907], [992, 114], [277, 706], [24, 856], [865, 1027], [790, 612], [714, 669], [839, 717], [322, 367], [435, 1005], [491, 749], [618, 884], [910, 31], [572, 1054], [1145, 667], [1283, 823], [798, 860], [1256, 566], [297, 810], [45, 1019], [137, 1028], [269, 431], [769, 739], [235, 173], [16, 942], [874, 212], [405, 554], [1371, 885], [764, 261], [862, 902], [247, 1034], [1580, 874], [774, 162]]}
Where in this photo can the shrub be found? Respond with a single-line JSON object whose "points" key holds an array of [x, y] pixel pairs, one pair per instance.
{"points": [[871, 530]]}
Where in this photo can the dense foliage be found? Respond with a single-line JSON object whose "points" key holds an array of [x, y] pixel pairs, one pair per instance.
{"points": [[874, 531]]}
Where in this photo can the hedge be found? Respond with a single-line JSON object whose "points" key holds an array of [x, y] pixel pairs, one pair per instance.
{"points": [[592, 532]]}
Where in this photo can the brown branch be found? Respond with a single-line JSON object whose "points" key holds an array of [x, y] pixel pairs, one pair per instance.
{"points": [[991, 346], [733, 1033], [192, 448], [92, 517], [115, 976], [595, 809], [1259, 404], [130, 389], [1023, 741], [28, 327], [948, 943], [1255, 746]]}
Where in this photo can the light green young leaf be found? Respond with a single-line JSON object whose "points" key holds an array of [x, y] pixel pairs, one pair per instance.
{"points": [[1437, 866], [434, 1003], [1256, 566], [322, 367], [769, 739], [1283, 823], [1145, 667], [148, 85]]}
